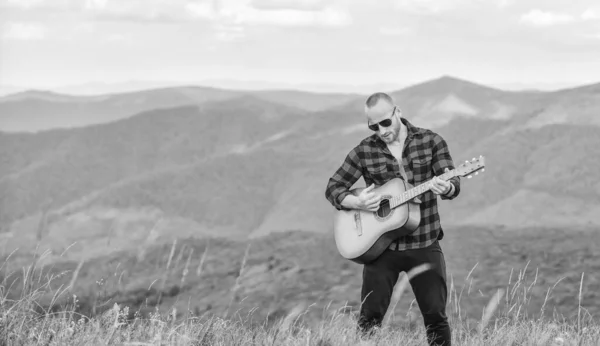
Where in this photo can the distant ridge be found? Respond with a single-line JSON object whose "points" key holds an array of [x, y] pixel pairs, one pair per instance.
{"points": [[443, 82], [591, 87], [450, 82], [48, 95], [37, 110], [435, 102]]}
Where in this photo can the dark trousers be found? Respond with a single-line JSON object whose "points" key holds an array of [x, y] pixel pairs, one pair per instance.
{"points": [[429, 287]]}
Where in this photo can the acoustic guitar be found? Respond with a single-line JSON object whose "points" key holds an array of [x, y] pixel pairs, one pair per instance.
{"points": [[361, 236]]}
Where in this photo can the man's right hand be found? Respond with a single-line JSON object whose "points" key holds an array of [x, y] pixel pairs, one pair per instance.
{"points": [[368, 200]]}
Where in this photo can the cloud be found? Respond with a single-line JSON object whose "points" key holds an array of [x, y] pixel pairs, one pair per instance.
{"points": [[328, 17], [278, 13], [43, 5], [594, 36], [394, 31], [118, 37], [117, 10], [440, 7], [290, 13], [543, 18], [229, 33], [96, 4], [305, 5], [204, 9], [138, 10], [591, 14], [230, 18], [425, 6], [22, 3], [23, 31], [503, 3]]}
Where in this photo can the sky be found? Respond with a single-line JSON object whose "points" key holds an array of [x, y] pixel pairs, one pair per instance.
{"points": [[53, 43]]}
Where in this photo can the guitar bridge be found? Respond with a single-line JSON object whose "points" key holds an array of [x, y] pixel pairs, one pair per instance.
{"points": [[357, 223]]}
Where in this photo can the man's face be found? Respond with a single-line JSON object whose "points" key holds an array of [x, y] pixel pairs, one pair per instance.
{"points": [[386, 113]]}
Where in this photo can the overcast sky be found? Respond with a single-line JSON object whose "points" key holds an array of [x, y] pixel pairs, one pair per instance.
{"points": [[61, 42]]}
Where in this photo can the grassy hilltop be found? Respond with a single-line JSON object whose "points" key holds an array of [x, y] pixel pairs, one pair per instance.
{"points": [[546, 286]]}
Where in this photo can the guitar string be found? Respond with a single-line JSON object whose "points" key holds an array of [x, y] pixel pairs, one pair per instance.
{"points": [[406, 195]]}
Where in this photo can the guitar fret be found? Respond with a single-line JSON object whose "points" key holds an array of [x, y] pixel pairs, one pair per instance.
{"points": [[416, 191]]}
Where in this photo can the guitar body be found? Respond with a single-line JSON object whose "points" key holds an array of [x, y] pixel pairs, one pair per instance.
{"points": [[361, 236]]}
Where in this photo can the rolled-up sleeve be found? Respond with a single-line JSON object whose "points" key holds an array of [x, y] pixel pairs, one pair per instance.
{"points": [[338, 186], [442, 160]]}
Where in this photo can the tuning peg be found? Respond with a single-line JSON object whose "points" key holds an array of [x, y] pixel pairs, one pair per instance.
{"points": [[476, 173], [466, 161], [474, 159], [483, 170], [469, 177]]}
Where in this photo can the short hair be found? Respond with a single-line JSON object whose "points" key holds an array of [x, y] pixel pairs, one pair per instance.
{"points": [[376, 97]]}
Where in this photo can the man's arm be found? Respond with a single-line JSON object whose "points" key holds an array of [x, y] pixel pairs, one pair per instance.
{"points": [[338, 187], [442, 160]]}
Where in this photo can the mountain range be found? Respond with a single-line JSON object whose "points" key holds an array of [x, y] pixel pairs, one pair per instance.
{"points": [[254, 163], [33, 111], [114, 179], [99, 88]]}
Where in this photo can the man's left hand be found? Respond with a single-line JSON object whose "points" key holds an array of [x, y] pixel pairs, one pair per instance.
{"points": [[439, 186]]}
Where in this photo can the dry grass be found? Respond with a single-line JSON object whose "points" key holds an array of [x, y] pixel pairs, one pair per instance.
{"points": [[22, 327], [23, 322]]}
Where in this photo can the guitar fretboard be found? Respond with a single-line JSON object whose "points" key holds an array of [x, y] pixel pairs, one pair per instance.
{"points": [[417, 190]]}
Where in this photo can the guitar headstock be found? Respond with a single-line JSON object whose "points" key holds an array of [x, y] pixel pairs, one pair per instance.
{"points": [[469, 167]]}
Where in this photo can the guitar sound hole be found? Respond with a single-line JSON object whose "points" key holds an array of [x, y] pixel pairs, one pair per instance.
{"points": [[384, 208]]}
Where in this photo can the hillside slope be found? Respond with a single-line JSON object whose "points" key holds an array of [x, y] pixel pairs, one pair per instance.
{"points": [[271, 275], [249, 166], [34, 111], [66, 166]]}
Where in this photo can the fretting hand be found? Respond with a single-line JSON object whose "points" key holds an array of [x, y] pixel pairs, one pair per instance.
{"points": [[440, 186]]}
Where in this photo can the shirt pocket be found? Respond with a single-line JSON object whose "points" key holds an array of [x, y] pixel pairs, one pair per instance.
{"points": [[421, 166], [378, 172]]}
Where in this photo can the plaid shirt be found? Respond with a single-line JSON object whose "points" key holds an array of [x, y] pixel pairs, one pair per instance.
{"points": [[425, 155]]}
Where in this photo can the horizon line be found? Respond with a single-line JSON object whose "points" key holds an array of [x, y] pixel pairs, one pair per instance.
{"points": [[280, 86]]}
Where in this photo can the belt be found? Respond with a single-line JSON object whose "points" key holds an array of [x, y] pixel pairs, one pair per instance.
{"points": [[394, 245]]}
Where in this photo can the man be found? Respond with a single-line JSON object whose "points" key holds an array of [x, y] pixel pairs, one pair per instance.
{"points": [[398, 149]]}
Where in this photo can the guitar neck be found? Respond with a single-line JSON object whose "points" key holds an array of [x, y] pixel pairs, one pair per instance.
{"points": [[418, 190]]}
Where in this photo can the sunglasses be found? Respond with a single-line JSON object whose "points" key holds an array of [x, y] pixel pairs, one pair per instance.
{"points": [[385, 123]]}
